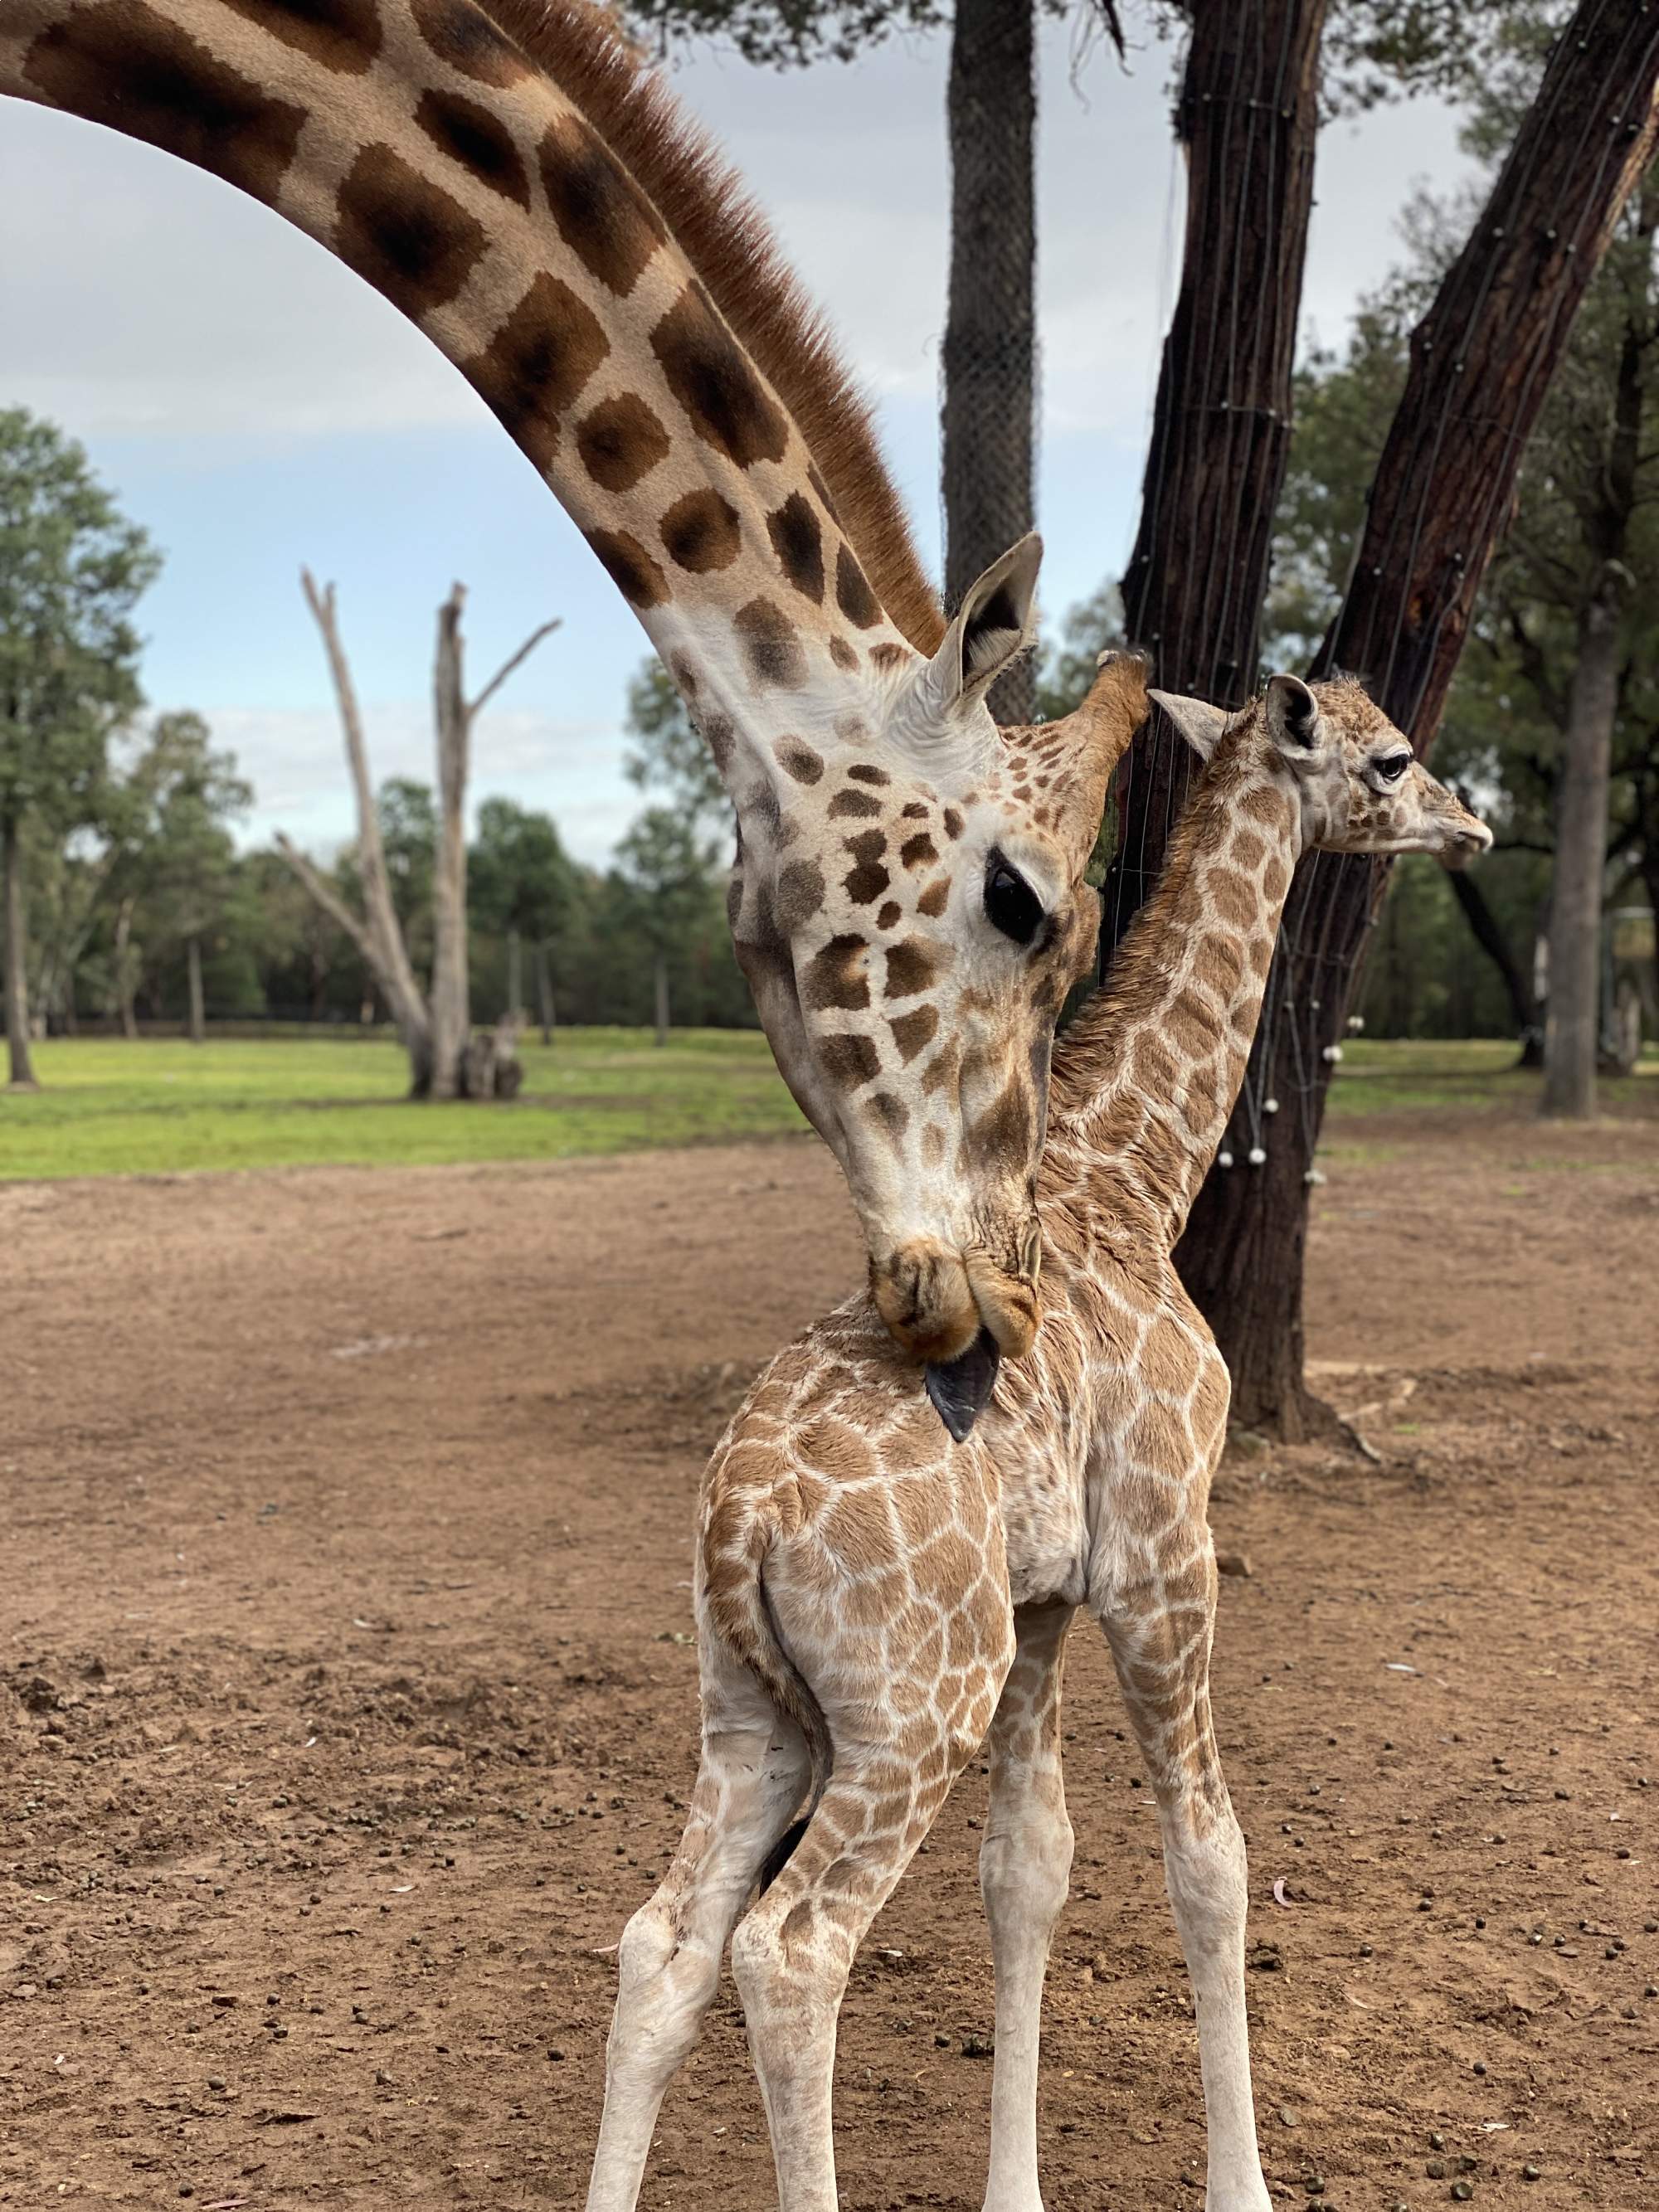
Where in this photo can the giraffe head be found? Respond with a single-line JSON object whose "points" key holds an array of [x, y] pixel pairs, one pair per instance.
{"points": [[1359, 788], [910, 984]]}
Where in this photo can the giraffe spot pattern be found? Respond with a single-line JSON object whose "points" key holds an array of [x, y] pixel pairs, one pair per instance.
{"points": [[935, 899], [342, 34], [771, 644], [414, 243], [853, 593], [888, 659], [838, 975], [918, 851], [710, 375], [797, 758], [596, 208], [888, 914], [842, 654], [852, 805], [621, 441], [538, 363], [864, 772], [700, 532], [629, 568], [479, 141], [125, 66], [720, 736], [797, 537], [800, 893], [464, 37], [913, 965], [889, 1113], [914, 1032], [868, 879], [849, 1061]]}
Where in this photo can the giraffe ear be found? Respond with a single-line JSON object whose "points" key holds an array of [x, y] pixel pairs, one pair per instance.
{"points": [[1293, 717], [1197, 721], [993, 625]]}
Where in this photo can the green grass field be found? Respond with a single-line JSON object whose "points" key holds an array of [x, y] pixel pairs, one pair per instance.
{"points": [[163, 1107]]}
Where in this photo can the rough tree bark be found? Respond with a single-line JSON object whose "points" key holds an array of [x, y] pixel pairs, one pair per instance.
{"points": [[17, 986], [1247, 120], [989, 360], [1481, 360], [1488, 934], [514, 972], [124, 967], [659, 978]]}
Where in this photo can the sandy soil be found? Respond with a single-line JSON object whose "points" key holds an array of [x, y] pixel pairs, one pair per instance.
{"points": [[348, 1708]]}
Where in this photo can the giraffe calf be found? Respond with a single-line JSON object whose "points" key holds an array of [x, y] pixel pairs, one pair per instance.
{"points": [[875, 1598]]}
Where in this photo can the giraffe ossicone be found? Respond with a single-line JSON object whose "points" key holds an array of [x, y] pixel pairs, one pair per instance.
{"points": [[873, 1598], [520, 186]]}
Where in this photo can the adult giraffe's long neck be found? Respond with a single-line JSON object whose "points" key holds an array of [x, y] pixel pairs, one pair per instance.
{"points": [[476, 183], [1145, 1078]]}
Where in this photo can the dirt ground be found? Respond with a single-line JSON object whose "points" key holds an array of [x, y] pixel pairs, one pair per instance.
{"points": [[348, 1707]]}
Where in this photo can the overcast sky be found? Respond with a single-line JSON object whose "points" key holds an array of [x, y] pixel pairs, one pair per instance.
{"points": [[257, 407]]}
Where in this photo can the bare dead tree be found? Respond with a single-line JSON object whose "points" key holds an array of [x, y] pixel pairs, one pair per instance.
{"points": [[436, 1026]]}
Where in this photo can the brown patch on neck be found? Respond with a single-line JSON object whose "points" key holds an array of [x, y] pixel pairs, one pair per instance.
{"points": [[727, 242]]}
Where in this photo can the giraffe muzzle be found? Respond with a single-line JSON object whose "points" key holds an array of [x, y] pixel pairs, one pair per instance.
{"points": [[952, 1310]]}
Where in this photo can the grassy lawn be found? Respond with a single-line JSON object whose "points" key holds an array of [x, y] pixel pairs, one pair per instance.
{"points": [[162, 1107]]}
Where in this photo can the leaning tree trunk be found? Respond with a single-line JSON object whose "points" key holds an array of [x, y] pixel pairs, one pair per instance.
{"points": [[989, 355], [1481, 360], [450, 1000], [17, 985], [198, 1007], [514, 972], [1488, 934], [1247, 120], [660, 978], [1572, 1023], [123, 978]]}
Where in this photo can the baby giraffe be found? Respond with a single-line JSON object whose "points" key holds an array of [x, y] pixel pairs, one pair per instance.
{"points": [[873, 1597]]}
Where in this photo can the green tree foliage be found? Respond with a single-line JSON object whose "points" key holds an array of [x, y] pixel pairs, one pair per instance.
{"points": [[667, 756], [72, 569]]}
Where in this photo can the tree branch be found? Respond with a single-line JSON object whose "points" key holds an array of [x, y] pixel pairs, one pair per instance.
{"points": [[510, 663]]}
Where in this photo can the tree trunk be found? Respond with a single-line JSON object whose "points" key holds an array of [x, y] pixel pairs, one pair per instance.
{"points": [[1481, 362], [1488, 934], [452, 1020], [989, 359], [198, 1010], [544, 992], [660, 977], [388, 958], [514, 972], [1572, 1023], [1247, 120], [124, 980], [17, 988]]}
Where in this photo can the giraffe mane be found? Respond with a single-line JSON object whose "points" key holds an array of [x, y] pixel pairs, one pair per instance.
{"points": [[732, 249]]}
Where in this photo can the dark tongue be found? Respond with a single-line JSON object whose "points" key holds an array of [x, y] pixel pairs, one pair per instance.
{"points": [[961, 1388]]}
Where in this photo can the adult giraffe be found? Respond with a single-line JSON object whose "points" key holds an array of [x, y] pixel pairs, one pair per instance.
{"points": [[908, 904]]}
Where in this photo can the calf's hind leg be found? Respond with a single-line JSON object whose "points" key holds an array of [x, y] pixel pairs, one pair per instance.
{"points": [[1024, 1868], [753, 1773], [1159, 1624]]}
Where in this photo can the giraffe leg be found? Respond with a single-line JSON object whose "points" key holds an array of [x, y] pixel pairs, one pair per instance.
{"points": [[792, 1955], [1024, 1868], [1159, 1622], [752, 1774]]}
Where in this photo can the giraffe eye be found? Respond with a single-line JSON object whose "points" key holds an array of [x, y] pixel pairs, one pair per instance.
{"points": [[1392, 766], [1010, 904]]}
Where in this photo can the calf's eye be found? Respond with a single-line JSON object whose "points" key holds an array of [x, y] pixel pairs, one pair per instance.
{"points": [[1393, 766], [1010, 904]]}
